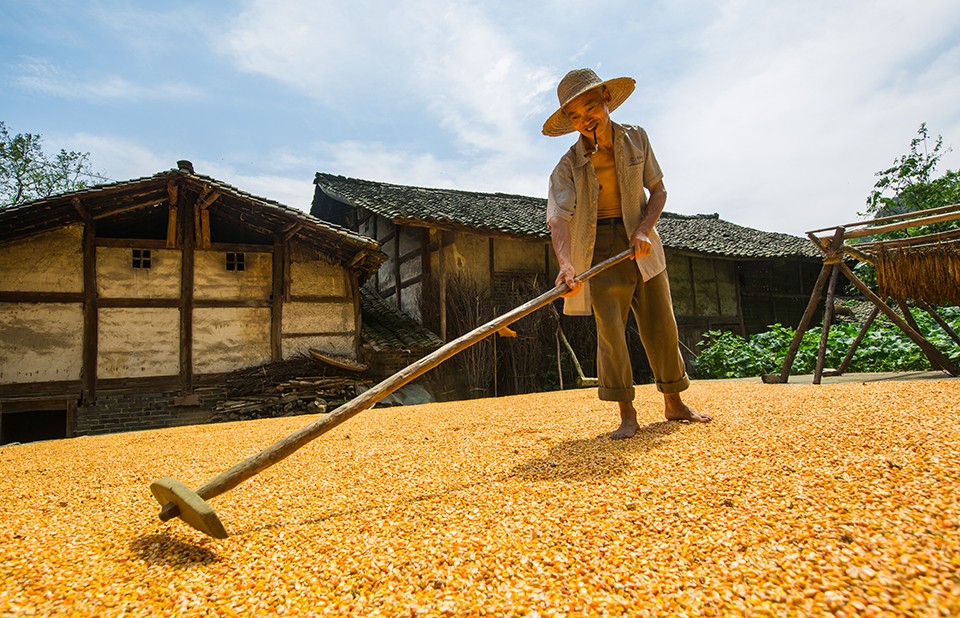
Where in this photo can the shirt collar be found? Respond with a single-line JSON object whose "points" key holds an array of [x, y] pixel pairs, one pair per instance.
{"points": [[582, 155]]}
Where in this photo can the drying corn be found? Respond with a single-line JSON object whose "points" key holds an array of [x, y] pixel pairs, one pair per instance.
{"points": [[832, 500]]}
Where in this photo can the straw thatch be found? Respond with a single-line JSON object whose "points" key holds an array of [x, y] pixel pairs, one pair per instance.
{"points": [[930, 273]]}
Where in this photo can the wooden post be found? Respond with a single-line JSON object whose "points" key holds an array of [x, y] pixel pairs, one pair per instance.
{"points": [[88, 382], [172, 190], [913, 324], [276, 300], [71, 418], [939, 320], [443, 287], [856, 342], [186, 296], [827, 319]]}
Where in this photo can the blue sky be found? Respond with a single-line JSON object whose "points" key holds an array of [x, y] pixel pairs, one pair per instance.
{"points": [[776, 115]]}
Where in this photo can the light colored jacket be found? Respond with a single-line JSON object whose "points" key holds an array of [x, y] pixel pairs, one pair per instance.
{"points": [[573, 196]]}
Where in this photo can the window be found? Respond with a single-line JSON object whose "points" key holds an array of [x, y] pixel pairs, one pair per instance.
{"points": [[234, 261], [141, 258]]}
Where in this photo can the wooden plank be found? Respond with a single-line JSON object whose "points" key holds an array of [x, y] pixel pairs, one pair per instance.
{"points": [[240, 247], [28, 391], [226, 303], [321, 299], [132, 243], [42, 297], [208, 199], [334, 333], [133, 303]]}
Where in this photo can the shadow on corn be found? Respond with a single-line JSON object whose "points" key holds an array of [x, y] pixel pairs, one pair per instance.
{"points": [[593, 458], [166, 550]]}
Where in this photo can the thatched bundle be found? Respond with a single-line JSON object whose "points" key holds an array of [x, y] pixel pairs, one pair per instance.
{"points": [[930, 273]]}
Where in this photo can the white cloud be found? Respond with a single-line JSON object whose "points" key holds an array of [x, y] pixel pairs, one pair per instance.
{"points": [[781, 125], [117, 158], [449, 59], [43, 77]]}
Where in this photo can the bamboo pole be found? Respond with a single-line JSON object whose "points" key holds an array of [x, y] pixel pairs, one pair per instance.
{"points": [[287, 446], [954, 208]]}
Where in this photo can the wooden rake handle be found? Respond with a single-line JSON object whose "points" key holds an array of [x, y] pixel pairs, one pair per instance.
{"points": [[272, 454]]}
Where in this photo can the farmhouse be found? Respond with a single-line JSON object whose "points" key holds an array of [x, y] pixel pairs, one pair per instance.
{"points": [[723, 275], [122, 305]]}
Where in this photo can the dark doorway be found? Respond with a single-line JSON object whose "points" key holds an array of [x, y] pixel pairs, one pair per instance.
{"points": [[33, 426]]}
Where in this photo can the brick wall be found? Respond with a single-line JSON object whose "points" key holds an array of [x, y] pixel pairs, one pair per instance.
{"points": [[116, 412]]}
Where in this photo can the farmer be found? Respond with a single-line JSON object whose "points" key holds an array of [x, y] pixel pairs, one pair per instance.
{"points": [[596, 208]]}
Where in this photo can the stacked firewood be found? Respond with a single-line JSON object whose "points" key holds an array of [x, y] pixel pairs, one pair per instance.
{"points": [[282, 389]]}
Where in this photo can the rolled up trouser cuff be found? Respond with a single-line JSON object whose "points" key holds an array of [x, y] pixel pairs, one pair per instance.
{"points": [[674, 387], [616, 394]]}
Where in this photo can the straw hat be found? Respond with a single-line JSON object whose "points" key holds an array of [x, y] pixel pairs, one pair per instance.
{"points": [[577, 82]]}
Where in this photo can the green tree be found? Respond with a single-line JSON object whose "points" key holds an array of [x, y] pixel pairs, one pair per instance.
{"points": [[28, 173], [910, 184]]}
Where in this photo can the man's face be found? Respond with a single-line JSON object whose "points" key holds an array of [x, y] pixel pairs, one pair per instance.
{"points": [[589, 112]]}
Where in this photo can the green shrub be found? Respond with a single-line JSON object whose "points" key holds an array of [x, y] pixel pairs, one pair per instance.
{"points": [[885, 348]]}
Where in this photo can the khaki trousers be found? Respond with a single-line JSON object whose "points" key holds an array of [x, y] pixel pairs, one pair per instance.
{"points": [[614, 293]]}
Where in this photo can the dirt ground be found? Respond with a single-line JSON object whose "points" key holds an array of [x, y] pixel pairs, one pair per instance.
{"points": [[839, 499]]}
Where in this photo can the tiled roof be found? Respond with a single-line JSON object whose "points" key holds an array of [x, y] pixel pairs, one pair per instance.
{"points": [[385, 327], [101, 201], [518, 215], [712, 235]]}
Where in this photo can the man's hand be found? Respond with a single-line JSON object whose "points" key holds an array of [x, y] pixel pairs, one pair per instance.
{"points": [[568, 275], [641, 244]]}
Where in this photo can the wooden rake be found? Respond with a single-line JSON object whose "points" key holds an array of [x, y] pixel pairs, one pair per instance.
{"points": [[177, 500]]}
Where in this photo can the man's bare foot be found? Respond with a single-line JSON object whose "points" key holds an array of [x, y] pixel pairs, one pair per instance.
{"points": [[675, 410], [628, 422]]}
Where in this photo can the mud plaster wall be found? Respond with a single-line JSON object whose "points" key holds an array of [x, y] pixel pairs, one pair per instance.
{"points": [[116, 277], [213, 280], [329, 327], [138, 342], [518, 256], [47, 262], [230, 338], [469, 255], [40, 342], [318, 279]]}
